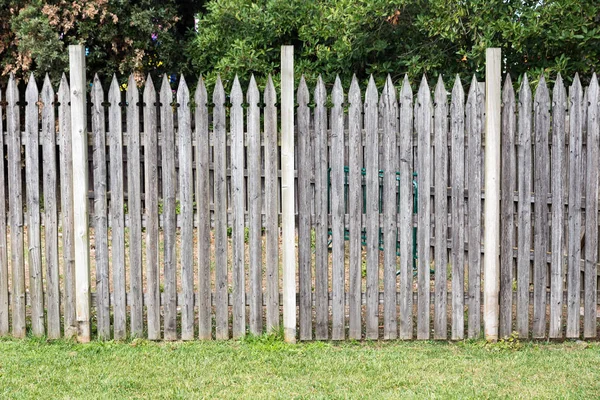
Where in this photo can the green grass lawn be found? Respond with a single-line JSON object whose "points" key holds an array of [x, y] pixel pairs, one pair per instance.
{"points": [[268, 368]]}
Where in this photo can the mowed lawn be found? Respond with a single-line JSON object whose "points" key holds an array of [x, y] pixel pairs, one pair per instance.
{"points": [[266, 367]]}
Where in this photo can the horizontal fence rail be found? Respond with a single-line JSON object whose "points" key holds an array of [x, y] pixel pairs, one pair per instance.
{"points": [[185, 210]]}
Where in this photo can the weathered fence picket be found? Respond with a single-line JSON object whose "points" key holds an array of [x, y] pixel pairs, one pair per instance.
{"points": [[4, 310]]}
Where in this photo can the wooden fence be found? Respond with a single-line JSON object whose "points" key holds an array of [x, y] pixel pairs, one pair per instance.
{"points": [[184, 211]]}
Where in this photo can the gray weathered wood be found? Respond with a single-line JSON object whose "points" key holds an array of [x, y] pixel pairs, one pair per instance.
{"points": [[441, 209], [524, 207], [219, 140], [355, 162], [15, 198], [389, 110], [271, 209], [116, 211], [423, 108], [474, 127], [32, 184], [457, 178], [4, 318], [591, 211], [304, 164], [237, 198], [321, 252], [203, 211], [559, 109], [134, 208], [100, 220], [541, 190], [405, 228], [337, 211], [169, 192], [66, 193], [186, 194], [151, 210], [574, 211], [254, 208], [507, 233], [48, 138]]}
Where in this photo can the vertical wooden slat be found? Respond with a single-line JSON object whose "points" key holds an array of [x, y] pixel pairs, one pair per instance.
{"points": [[441, 209], [221, 303], [541, 190], [169, 216], [203, 211], [271, 211], [151, 205], [524, 208], [337, 211], [100, 210], [186, 221], [15, 193], [254, 208], [457, 172], [32, 181], [423, 128], [134, 208], [574, 211], [508, 208], [405, 229], [116, 211], [474, 124], [237, 198], [4, 321], [591, 211], [559, 108], [355, 162], [66, 193], [389, 111], [304, 162], [321, 251]]}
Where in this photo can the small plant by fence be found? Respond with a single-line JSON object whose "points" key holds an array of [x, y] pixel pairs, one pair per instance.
{"points": [[184, 211]]}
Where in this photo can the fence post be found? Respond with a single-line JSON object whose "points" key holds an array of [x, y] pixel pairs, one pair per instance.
{"points": [[491, 238], [287, 192], [80, 190]]}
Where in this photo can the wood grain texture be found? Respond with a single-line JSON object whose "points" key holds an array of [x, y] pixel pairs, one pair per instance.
{"points": [[32, 185], [406, 205], [169, 193], [541, 190], [423, 108], [355, 163], [100, 220], [116, 211], [457, 178], [304, 166], [321, 222], [574, 211], [507, 233], [440, 145], [186, 201], [4, 310]]}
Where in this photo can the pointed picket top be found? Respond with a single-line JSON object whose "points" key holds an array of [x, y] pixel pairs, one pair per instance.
{"points": [[525, 89], [31, 92], [149, 91], [337, 93], [302, 94], [576, 83], [132, 91], [270, 95], [354, 92], [424, 94], [508, 92], [559, 93], [406, 92], [97, 95], [114, 93], [593, 88], [219, 92], [47, 90], [390, 90], [320, 92], [371, 95], [166, 94], [473, 90], [542, 96], [252, 95], [201, 95], [440, 88], [236, 95], [183, 93], [458, 93]]}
